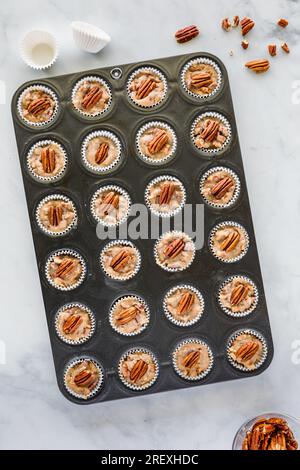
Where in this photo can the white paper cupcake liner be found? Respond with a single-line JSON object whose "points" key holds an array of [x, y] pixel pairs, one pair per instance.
{"points": [[118, 190], [210, 151], [160, 125], [201, 60], [177, 234], [235, 195], [97, 170], [147, 70], [236, 364], [203, 373], [46, 90], [102, 82], [228, 223], [245, 312], [89, 37], [82, 307], [97, 388], [55, 197], [112, 311], [194, 291], [33, 39], [157, 212], [70, 253], [46, 179], [123, 243], [130, 385]]}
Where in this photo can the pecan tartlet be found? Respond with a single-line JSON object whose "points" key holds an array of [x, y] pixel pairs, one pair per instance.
{"points": [[101, 151], [270, 433], [211, 132], [37, 105], [65, 269], [110, 205], [220, 187], [156, 142], [238, 296], [201, 77], [74, 323], [83, 378], [147, 87], [192, 359], [165, 195], [174, 251], [247, 350], [91, 96], [138, 369], [229, 242], [56, 215], [129, 315], [120, 260], [46, 161], [183, 305]]}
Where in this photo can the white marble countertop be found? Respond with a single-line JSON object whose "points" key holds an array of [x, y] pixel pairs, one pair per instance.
{"points": [[33, 413]]}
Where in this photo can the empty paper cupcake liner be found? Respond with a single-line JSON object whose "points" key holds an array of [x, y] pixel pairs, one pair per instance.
{"points": [[236, 364], [245, 312], [88, 37], [95, 390], [201, 60], [101, 82], [44, 89], [223, 225], [92, 320], [34, 39], [55, 197], [169, 314], [46, 179], [205, 372], [101, 169], [157, 212], [224, 121], [103, 189], [123, 243], [160, 125], [70, 253], [147, 70], [179, 235], [112, 311], [130, 385], [235, 195]]}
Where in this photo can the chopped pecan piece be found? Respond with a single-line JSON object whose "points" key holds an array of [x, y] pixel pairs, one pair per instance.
{"points": [[211, 131], [285, 47], [138, 371], [109, 203], [258, 66], [65, 267], [246, 24], [226, 25], [38, 106], [185, 303], [230, 241], [145, 87], [191, 359], [272, 49], [238, 294], [120, 260], [48, 158], [221, 188], [102, 153], [92, 97], [186, 34], [282, 22], [245, 44], [247, 351], [72, 323], [84, 379], [126, 315], [166, 192], [174, 248], [201, 79], [158, 142], [55, 215], [235, 21]]}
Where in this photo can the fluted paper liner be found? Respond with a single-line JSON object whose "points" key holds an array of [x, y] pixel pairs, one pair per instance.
{"points": [[101, 169], [130, 385], [228, 223], [194, 291], [97, 388], [46, 179], [259, 336], [55, 197], [235, 195], [154, 71], [68, 253], [92, 320], [245, 312], [33, 39], [89, 37], [177, 234], [159, 179], [160, 125], [118, 190], [112, 310], [201, 60], [124, 243], [46, 90], [102, 82], [224, 121], [205, 372]]}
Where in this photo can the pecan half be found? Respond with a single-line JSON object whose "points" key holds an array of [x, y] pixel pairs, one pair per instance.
{"points": [[235, 21], [101, 153], [138, 371], [285, 47], [258, 66], [247, 351], [158, 142], [238, 294], [185, 303], [186, 34], [92, 97], [55, 215], [282, 22], [245, 44], [109, 203], [246, 24], [84, 378], [278, 442], [211, 131], [72, 323], [166, 192], [38, 106], [48, 158], [191, 359], [221, 188], [126, 315], [145, 87], [201, 79], [230, 241], [174, 248], [120, 260], [255, 439], [272, 49], [65, 267], [226, 25]]}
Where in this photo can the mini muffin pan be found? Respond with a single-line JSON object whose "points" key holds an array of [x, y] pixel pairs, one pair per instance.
{"points": [[70, 128]]}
